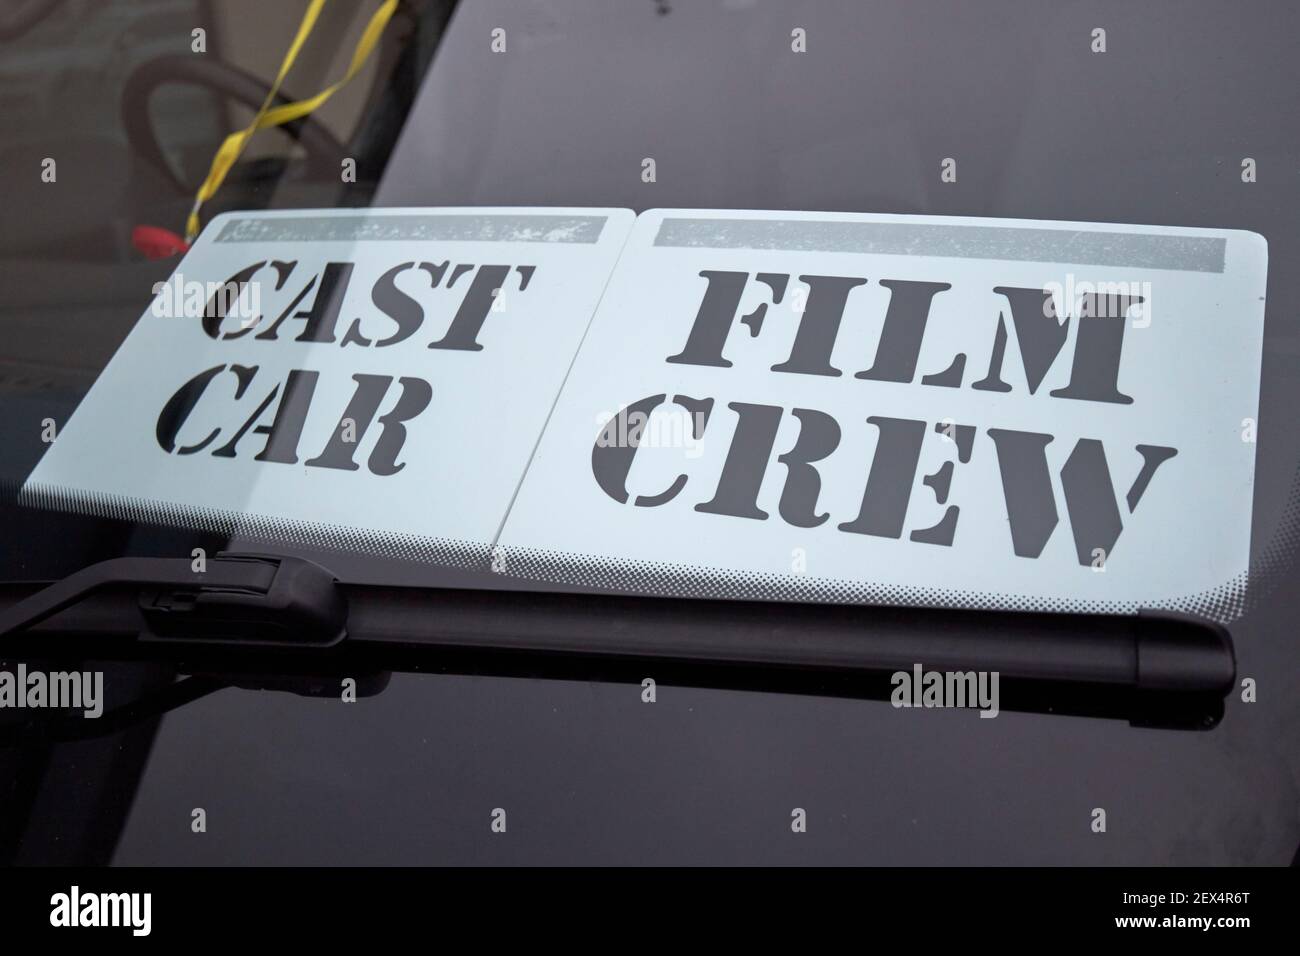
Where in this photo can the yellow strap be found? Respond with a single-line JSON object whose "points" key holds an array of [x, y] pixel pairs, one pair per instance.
{"points": [[267, 117]]}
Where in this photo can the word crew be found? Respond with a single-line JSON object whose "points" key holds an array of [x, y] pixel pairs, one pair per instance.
{"points": [[1041, 334]]}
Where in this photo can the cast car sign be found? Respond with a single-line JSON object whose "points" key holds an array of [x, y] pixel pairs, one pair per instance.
{"points": [[386, 373], [857, 407]]}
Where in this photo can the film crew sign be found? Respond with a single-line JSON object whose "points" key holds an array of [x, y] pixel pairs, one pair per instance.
{"points": [[905, 408]]}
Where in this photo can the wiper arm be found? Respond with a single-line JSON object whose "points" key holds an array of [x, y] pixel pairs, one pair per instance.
{"points": [[264, 599]]}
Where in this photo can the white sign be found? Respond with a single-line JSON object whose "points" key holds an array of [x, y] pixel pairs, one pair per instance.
{"points": [[897, 409], [908, 409], [329, 375]]}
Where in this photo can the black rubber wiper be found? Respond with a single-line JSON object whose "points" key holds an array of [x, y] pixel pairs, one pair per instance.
{"points": [[1136, 666]]}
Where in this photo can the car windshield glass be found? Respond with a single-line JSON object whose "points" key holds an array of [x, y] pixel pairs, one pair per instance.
{"points": [[417, 392]]}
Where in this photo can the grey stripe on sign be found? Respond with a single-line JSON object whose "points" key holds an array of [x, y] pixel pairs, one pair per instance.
{"points": [[375, 226], [1133, 250]]}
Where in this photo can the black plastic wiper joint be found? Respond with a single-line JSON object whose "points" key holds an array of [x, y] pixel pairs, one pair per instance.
{"points": [[266, 600]]}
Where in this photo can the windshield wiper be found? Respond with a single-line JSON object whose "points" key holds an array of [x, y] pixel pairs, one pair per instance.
{"points": [[292, 616]]}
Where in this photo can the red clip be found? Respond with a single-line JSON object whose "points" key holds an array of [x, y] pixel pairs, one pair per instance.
{"points": [[157, 243]]}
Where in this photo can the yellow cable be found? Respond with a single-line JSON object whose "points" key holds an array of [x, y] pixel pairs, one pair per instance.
{"points": [[267, 117]]}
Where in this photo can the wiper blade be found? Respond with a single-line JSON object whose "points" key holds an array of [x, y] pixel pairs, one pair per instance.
{"points": [[275, 608]]}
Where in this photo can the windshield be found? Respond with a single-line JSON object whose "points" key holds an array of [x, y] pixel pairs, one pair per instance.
{"points": [[571, 115], [931, 305]]}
